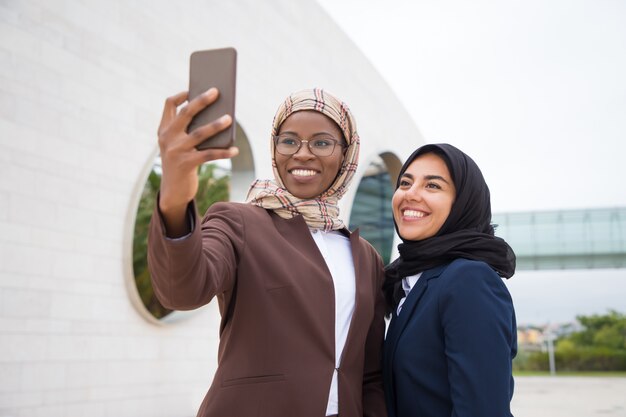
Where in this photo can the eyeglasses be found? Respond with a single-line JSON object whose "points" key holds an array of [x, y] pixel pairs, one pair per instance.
{"points": [[320, 146]]}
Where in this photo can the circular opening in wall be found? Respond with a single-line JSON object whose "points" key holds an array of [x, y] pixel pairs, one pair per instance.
{"points": [[221, 180], [214, 181]]}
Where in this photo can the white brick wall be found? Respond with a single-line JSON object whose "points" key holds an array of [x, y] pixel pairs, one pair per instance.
{"points": [[82, 85]]}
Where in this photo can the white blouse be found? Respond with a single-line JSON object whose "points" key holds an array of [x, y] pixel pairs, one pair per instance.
{"points": [[337, 252], [407, 285]]}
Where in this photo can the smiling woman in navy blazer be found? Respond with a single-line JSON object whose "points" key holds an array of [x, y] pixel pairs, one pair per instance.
{"points": [[452, 336]]}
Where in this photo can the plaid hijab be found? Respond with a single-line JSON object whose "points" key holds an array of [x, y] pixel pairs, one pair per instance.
{"points": [[321, 212]]}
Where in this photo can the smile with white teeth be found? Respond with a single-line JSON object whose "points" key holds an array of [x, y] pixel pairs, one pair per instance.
{"points": [[303, 172], [413, 213]]}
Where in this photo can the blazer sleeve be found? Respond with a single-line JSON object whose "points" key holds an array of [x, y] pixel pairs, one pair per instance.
{"points": [[373, 394], [187, 273], [480, 340]]}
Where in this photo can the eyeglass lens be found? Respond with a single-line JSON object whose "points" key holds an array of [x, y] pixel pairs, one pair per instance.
{"points": [[289, 145]]}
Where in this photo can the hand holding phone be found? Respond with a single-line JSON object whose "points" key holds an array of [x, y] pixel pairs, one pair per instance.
{"points": [[180, 159], [214, 68]]}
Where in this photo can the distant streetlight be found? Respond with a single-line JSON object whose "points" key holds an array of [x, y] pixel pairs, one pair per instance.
{"points": [[550, 337]]}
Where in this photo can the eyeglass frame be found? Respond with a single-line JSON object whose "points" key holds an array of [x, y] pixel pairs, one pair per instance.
{"points": [[336, 142]]}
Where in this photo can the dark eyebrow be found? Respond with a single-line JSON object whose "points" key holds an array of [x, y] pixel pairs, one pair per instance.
{"points": [[436, 177], [426, 177], [314, 134]]}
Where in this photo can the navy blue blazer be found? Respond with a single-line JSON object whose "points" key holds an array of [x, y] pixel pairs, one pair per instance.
{"points": [[449, 352]]}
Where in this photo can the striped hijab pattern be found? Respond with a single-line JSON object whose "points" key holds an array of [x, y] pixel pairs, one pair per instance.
{"points": [[321, 212]]}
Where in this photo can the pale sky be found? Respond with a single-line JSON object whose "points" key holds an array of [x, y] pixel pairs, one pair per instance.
{"points": [[534, 91]]}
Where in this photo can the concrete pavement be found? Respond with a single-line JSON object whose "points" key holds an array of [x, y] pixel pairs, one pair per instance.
{"points": [[569, 396]]}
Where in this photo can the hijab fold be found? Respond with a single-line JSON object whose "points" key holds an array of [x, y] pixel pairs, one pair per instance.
{"points": [[321, 212], [467, 232]]}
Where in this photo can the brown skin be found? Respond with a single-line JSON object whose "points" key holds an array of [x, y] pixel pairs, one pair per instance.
{"points": [[180, 159], [306, 175]]}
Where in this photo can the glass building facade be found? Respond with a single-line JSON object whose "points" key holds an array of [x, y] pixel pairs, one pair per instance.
{"points": [[564, 239], [371, 209], [567, 239]]}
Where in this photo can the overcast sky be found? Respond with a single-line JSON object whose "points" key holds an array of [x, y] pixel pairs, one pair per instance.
{"points": [[534, 90]]}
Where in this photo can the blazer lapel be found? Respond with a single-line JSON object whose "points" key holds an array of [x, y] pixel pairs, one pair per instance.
{"points": [[297, 233], [361, 282], [399, 322]]}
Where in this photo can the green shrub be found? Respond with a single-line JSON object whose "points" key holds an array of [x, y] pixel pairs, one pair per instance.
{"points": [[211, 189], [576, 359]]}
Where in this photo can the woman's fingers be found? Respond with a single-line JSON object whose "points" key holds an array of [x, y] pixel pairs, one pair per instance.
{"points": [[179, 156], [205, 132], [194, 107], [170, 108], [214, 154], [176, 119], [207, 155]]}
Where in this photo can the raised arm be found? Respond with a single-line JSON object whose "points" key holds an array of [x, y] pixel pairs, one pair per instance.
{"points": [[180, 159], [187, 272]]}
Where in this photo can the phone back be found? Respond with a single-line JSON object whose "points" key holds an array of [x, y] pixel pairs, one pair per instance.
{"points": [[214, 68]]}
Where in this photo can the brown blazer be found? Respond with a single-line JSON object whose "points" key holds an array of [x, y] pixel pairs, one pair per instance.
{"points": [[276, 298]]}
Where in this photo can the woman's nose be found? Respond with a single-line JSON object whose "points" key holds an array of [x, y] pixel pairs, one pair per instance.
{"points": [[304, 152], [414, 193]]}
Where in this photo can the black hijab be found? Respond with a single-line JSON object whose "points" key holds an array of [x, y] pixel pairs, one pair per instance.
{"points": [[466, 233]]}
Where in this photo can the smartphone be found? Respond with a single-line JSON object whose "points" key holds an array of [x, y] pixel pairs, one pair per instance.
{"points": [[214, 68]]}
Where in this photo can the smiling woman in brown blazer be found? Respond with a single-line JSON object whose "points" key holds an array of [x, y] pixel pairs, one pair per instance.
{"points": [[299, 295]]}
